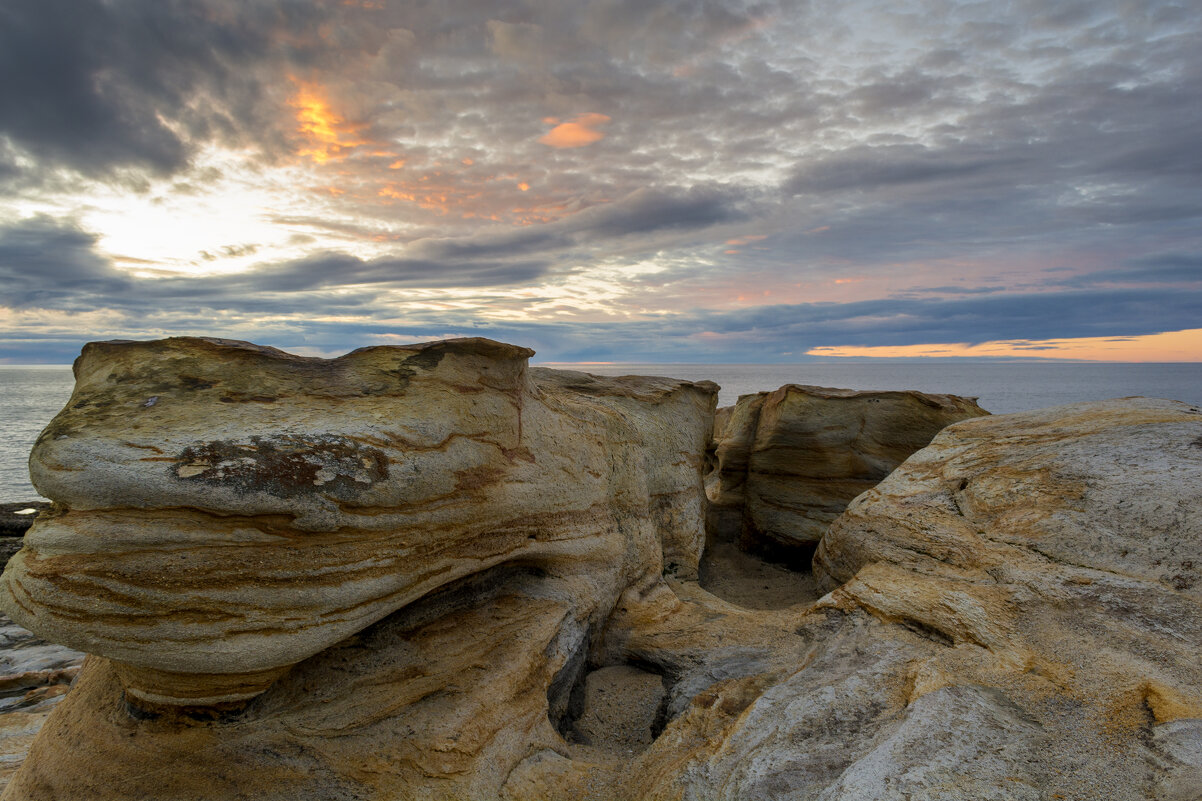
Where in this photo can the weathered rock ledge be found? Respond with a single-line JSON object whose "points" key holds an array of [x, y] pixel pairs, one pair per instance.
{"points": [[789, 461], [433, 572]]}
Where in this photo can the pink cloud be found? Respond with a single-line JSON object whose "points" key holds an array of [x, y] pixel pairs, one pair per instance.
{"points": [[577, 132]]}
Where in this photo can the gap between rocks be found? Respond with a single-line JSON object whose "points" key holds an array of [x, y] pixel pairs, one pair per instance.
{"points": [[755, 580]]}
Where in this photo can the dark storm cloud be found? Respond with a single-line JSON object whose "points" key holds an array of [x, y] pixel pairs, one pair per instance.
{"points": [[96, 86], [869, 168], [48, 263], [646, 210], [1160, 268], [341, 270]]}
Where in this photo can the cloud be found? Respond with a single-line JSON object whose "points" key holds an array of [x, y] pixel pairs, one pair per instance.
{"points": [[52, 263], [330, 270], [522, 40], [56, 265], [577, 132], [98, 87], [649, 210], [1159, 268], [1023, 154], [867, 168]]}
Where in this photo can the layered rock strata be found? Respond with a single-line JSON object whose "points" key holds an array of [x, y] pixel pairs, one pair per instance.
{"points": [[1014, 613], [789, 461], [34, 677], [225, 511]]}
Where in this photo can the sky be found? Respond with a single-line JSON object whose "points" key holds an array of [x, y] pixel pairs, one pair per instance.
{"points": [[612, 180]]}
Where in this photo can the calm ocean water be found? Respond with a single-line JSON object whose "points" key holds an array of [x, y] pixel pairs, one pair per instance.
{"points": [[30, 396]]}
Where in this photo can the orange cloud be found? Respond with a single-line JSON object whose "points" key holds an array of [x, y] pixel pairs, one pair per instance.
{"points": [[576, 132], [746, 240], [327, 135], [1171, 346]]}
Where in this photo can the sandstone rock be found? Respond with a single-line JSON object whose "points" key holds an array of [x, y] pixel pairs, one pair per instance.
{"points": [[227, 510], [1062, 548], [789, 461], [34, 676], [1012, 614]]}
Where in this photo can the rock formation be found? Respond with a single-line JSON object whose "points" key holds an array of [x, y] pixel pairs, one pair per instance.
{"points": [[34, 677], [227, 510], [789, 461], [448, 576], [1014, 613]]}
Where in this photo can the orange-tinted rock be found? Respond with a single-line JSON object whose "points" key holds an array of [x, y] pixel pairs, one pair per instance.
{"points": [[1015, 600]]}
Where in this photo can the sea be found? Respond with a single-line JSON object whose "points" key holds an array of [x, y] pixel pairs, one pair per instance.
{"points": [[30, 395]]}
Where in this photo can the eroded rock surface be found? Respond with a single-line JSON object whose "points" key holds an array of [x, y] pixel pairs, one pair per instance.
{"points": [[1056, 557], [34, 677], [226, 510], [1014, 613], [789, 461]]}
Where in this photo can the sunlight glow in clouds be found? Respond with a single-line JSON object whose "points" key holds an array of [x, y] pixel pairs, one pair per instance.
{"points": [[577, 132], [219, 227], [1171, 346], [328, 136]]}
